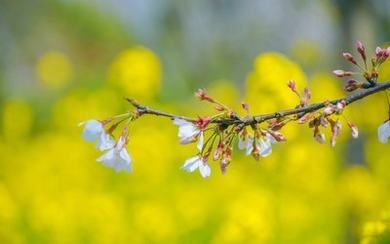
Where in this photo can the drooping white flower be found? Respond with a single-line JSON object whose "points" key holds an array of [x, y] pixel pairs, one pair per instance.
{"points": [[384, 132], [196, 162], [245, 141], [249, 146], [94, 132], [105, 141], [187, 131], [264, 145], [117, 157]]}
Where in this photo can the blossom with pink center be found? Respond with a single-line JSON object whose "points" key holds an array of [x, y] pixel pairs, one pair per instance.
{"points": [[188, 132]]}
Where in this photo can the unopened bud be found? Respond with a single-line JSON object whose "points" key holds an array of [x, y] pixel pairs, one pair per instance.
{"points": [[218, 151], [277, 135], [351, 85], [341, 105], [379, 52], [341, 73], [328, 110], [202, 95], [245, 106], [219, 107], [348, 56], [306, 95], [354, 130], [320, 137], [360, 48], [291, 84]]}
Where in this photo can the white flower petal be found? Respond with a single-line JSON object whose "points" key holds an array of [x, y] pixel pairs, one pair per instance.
{"points": [[241, 143], [384, 132], [105, 142], [245, 143], [125, 163], [191, 164], [271, 138], [264, 146], [92, 130], [180, 122], [120, 143], [187, 131], [200, 142], [204, 169], [249, 147], [116, 159], [108, 158]]}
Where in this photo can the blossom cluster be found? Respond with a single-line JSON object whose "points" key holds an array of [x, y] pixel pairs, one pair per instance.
{"points": [[218, 135], [116, 155]]}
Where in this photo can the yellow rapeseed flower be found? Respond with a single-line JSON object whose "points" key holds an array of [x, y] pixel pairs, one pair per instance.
{"points": [[54, 69], [138, 71]]}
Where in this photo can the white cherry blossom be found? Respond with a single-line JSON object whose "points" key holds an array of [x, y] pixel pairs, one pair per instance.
{"points": [[187, 131], [196, 162], [117, 157], [94, 132], [263, 145], [105, 142], [384, 132], [245, 141]]}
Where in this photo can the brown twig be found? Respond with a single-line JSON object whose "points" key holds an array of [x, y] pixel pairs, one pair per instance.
{"points": [[251, 120]]}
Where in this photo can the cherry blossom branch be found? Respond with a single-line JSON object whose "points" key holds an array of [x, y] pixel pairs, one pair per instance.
{"points": [[215, 135], [256, 119]]}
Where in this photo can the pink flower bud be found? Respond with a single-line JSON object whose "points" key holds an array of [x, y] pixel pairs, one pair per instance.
{"points": [[245, 106], [291, 84], [306, 94], [306, 117], [354, 130], [387, 52], [219, 107], [360, 48], [218, 151], [348, 56], [336, 128], [341, 73], [202, 95], [379, 52], [341, 105], [328, 110], [351, 85], [320, 137], [277, 135]]}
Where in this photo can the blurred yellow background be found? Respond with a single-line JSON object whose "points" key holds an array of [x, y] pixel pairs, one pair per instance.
{"points": [[63, 62]]}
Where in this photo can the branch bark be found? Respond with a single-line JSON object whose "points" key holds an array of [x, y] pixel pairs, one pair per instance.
{"points": [[256, 119]]}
